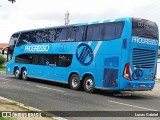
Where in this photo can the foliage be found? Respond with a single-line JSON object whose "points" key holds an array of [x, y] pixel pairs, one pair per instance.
{"points": [[2, 60], [2, 69], [6, 118]]}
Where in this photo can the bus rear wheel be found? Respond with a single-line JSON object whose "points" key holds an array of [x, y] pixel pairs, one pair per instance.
{"points": [[17, 73], [24, 74], [74, 82], [88, 84]]}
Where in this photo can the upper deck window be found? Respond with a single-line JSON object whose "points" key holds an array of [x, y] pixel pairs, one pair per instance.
{"points": [[105, 31]]}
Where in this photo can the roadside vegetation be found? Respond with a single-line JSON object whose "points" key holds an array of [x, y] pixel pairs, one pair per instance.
{"points": [[2, 69], [2, 62], [2, 118], [158, 79]]}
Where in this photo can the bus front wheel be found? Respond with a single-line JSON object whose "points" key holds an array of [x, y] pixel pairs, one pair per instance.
{"points": [[24, 74], [75, 82], [17, 73], [88, 84]]}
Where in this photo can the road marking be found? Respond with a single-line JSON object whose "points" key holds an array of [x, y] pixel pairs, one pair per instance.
{"points": [[28, 107], [132, 105], [5, 79], [28, 83], [50, 88]]}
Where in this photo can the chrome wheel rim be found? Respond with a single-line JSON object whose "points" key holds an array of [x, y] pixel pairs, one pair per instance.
{"points": [[89, 84], [74, 82], [17, 73], [24, 74]]}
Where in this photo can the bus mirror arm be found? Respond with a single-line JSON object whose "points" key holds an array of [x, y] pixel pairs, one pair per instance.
{"points": [[3, 50]]}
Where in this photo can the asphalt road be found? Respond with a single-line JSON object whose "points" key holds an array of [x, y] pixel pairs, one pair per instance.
{"points": [[50, 96]]}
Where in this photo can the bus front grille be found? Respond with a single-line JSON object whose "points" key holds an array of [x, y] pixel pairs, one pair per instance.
{"points": [[142, 58]]}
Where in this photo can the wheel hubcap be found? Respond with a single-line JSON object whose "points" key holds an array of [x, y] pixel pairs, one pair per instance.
{"points": [[89, 84], [74, 82], [17, 73], [24, 74]]}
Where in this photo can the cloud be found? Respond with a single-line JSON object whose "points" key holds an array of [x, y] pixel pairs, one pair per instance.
{"points": [[29, 14]]}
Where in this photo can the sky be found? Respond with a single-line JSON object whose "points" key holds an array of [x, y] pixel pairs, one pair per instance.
{"points": [[31, 14]]}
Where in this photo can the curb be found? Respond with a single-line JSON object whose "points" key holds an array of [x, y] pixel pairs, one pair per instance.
{"points": [[28, 107], [2, 72]]}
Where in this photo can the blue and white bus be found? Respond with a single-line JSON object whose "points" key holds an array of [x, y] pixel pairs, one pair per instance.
{"points": [[119, 54]]}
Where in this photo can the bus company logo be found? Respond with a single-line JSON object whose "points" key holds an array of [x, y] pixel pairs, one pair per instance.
{"points": [[37, 48], [145, 41], [84, 54], [137, 74]]}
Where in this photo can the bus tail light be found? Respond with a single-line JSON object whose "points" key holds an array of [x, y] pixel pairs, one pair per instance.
{"points": [[126, 73], [155, 74]]}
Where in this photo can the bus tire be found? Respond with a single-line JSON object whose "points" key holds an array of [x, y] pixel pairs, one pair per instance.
{"points": [[17, 73], [88, 84], [75, 82], [24, 74]]}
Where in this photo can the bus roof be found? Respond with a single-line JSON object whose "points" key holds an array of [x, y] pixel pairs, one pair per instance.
{"points": [[79, 24]]}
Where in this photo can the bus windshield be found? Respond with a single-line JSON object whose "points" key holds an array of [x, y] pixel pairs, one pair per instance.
{"points": [[144, 28]]}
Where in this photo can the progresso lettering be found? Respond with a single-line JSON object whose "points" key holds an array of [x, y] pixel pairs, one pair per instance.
{"points": [[145, 41], [37, 48]]}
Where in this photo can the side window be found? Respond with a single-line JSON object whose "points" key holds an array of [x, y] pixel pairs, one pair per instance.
{"points": [[75, 33], [43, 36], [61, 34], [63, 60], [42, 60], [94, 32], [39, 36], [51, 59], [104, 31], [25, 38], [24, 58], [119, 29], [34, 59], [109, 31], [14, 39], [70, 35], [80, 33], [56, 33], [112, 30]]}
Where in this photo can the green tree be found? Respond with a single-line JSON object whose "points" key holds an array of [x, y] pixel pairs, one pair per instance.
{"points": [[2, 60]]}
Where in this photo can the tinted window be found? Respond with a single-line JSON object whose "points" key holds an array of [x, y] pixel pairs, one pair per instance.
{"points": [[63, 60], [39, 36], [24, 58], [60, 60], [76, 33], [43, 36], [33, 59], [61, 34], [42, 60], [144, 28], [13, 39], [104, 31]]}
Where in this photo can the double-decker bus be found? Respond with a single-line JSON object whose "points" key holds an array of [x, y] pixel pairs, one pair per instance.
{"points": [[119, 54]]}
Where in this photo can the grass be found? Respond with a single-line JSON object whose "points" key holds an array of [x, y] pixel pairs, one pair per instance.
{"points": [[2, 69], [6, 118], [158, 79]]}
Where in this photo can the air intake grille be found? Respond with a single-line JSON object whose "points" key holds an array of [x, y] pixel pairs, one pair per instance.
{"points": [[142, 58]]}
